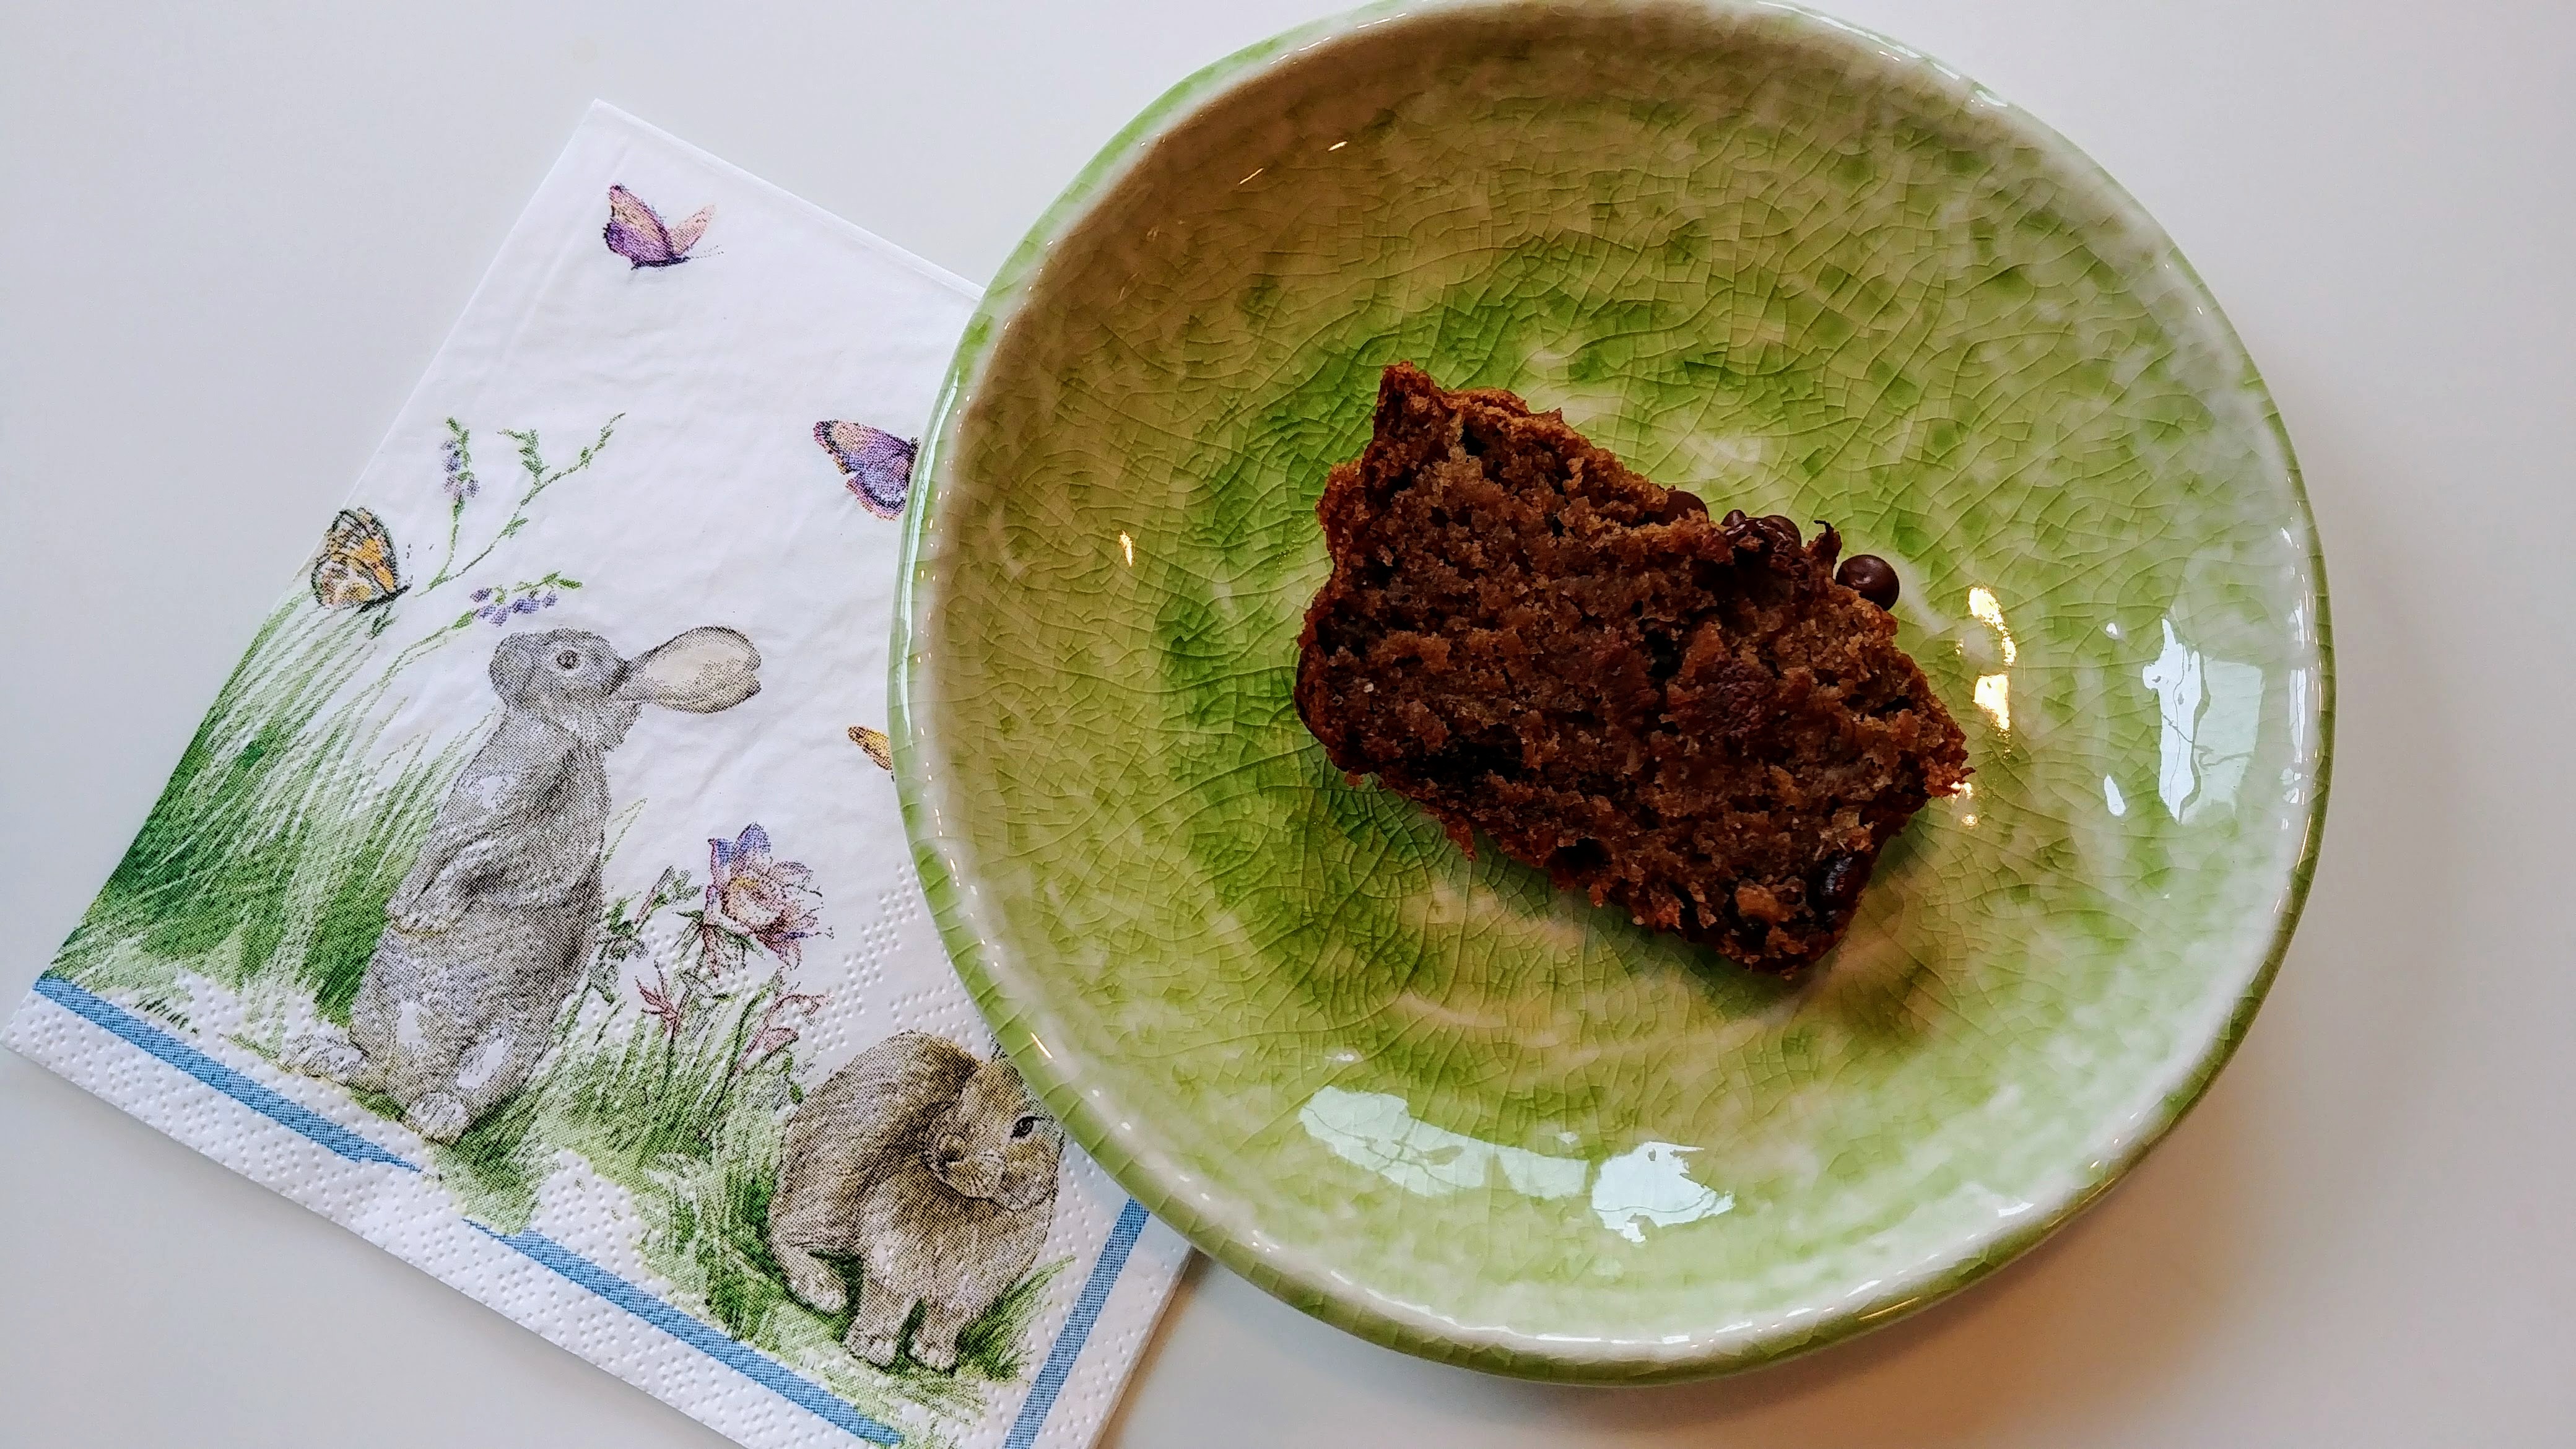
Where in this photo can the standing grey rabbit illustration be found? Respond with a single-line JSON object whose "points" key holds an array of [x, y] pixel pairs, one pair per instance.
{"points": [[935, 1170], [491, 929]]}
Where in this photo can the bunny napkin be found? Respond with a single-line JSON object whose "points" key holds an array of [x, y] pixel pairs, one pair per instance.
{"points": [[533, 899]]}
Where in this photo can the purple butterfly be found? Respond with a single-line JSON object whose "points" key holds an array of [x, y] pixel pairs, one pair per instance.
{"points": [[876, 464], [635, 231]]}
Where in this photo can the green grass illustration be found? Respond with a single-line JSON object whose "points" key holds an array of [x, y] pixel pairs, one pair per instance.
{"points": [[279, 837]]}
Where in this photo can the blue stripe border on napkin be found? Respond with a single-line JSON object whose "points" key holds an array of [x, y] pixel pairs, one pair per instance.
{"points": [[734, 1354]]}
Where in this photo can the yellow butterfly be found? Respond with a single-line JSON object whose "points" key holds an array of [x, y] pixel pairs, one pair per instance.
{"points": [[878, 747], [356, 564]]}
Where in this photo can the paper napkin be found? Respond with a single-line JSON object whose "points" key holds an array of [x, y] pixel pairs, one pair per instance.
{"points": [[533, 899]]}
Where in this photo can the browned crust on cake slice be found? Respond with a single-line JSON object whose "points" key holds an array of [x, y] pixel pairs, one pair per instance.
{"points": [[1684, 717]]}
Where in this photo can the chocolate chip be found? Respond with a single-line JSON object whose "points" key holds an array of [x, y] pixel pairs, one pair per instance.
{"points": [[1839, 883], [1734, 518], [1772, 532], [1869, 576], [1828, 544]]}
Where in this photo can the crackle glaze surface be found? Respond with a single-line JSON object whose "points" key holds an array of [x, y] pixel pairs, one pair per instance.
{"points": [[1761, 255]]}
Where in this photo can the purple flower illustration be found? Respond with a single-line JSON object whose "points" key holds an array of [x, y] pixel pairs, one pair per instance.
{"points": [[456, 473], [500, 607], [750, 895]]}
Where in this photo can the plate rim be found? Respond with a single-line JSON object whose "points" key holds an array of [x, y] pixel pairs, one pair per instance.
{"points": [[946, 874]]}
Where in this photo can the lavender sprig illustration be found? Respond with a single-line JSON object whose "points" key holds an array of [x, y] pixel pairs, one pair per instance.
{"points": [[498, 604], [461, 485]]}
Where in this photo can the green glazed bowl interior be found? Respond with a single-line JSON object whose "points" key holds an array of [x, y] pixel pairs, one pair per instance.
{"points": [[1759, 254]]}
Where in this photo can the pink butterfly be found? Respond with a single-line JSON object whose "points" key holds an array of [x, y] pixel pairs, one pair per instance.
{"points": [[876, 464], [636, 232]]}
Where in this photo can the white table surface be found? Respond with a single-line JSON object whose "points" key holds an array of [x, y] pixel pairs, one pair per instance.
{"points": [[234, 234]]}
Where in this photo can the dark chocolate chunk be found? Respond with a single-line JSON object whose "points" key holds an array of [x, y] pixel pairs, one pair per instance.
{"points": [[1840, 881], [1871, 577]]}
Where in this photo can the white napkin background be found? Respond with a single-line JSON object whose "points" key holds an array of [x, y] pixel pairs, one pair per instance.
{"points": [[711, 504]]}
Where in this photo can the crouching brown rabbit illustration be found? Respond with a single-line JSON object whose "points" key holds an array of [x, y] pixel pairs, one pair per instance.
{"points": [[931, 1167], [490, 931]]}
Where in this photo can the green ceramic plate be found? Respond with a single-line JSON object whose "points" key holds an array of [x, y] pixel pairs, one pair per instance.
{"points": [[1758, 253]]}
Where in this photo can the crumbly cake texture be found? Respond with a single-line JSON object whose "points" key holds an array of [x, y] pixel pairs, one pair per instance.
{"points": [[1685, 717]]}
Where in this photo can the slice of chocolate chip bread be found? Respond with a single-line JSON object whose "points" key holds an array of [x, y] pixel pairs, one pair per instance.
{"points": [[1683, 716]]}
